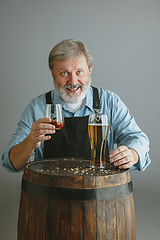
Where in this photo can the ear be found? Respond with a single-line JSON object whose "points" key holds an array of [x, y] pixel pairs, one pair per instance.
{"points": [[90, 70], [52, 72]]}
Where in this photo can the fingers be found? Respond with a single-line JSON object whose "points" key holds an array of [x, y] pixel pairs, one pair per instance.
{"points": [[40, 130], [42, 123], [122, 157], [41, 138], [43, 120]]}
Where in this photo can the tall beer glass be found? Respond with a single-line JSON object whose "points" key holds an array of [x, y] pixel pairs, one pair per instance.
{"points": [[98, 128]]}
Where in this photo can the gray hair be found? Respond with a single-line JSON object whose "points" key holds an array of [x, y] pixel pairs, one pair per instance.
{"points": [[69, 48]]}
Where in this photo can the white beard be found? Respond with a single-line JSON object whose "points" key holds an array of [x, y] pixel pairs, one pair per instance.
{"points": [[73, 97]]}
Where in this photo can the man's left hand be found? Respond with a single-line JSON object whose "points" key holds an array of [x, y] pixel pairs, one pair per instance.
{"points": [[124, 157]]}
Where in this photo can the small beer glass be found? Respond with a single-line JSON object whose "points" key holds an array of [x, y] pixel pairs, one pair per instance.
{"points": [[55, 113]]}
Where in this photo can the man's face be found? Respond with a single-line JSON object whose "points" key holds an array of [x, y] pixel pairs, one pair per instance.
{"points": [[72, 78]]}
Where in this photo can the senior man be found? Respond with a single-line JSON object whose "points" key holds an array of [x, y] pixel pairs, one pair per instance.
{"points": [[71, 65]]}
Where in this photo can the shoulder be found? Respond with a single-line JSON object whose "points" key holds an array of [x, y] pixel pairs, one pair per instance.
{"points": [[39, 99], [35, 108], [107, 96], [110, 102]]}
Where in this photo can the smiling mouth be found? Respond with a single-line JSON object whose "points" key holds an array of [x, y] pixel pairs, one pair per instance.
{"points": [[73, 89]]}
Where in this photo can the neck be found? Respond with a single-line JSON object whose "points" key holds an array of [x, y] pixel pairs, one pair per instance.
{"points": [[73, 107]]}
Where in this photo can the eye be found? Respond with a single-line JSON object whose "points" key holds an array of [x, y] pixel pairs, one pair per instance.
{"points": [[79, 72], [64, 73]]}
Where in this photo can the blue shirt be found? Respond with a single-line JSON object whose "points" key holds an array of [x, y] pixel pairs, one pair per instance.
{"points": [[123, 129]]}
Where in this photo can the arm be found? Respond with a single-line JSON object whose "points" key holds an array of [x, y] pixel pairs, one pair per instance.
{"points": [[21, 153], [133, 144]]}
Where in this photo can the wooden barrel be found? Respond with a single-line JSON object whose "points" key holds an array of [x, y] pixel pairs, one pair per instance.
{"points": [[65, 199]]}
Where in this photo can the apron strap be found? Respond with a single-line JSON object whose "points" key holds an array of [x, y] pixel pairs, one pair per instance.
{"points": [[48, 98], [95, 99]]}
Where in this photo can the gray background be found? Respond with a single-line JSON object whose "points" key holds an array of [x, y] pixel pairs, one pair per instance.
{"points": [[124, 38]]}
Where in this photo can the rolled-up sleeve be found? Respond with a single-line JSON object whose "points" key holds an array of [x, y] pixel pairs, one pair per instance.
{"points": [[127, 132], [32, 113], [23, 130]]}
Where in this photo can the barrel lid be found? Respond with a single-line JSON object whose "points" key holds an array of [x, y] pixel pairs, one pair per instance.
{"points": [[70, 167], [74, 173]]}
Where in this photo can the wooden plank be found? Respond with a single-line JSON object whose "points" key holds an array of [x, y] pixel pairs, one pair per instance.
{"points": [[90, 220], [130, 196], [77, 220], [53, 219], [101, 221], [130, 217], [23, 219], [121, 219], [65, 220], [42, 212], [33, 213], [111, 219]]}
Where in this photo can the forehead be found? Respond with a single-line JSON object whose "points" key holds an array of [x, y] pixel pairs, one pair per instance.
{"points": [[74, 62]]}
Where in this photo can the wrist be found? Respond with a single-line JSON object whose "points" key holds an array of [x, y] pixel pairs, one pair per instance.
{"points": [[20, 154], [135, 155], [29, 146]]}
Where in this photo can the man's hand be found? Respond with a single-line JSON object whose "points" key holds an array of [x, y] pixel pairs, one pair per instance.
{"points": [[21, 153], [124, 157], [38, 131]]}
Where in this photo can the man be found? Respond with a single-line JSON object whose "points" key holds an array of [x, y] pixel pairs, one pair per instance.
{"points": [[71, 65]]}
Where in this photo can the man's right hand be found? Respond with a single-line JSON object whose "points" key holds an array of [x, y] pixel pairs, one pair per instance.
{"points": [[39, 130], [21, 153]]}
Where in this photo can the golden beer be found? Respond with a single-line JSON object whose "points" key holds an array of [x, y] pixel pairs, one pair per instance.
{"points": [[98, 133]]}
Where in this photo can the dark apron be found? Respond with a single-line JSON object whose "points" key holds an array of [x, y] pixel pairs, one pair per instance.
{"points": [[72, 141]]}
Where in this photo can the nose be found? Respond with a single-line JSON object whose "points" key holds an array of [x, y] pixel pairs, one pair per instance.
{"points": [[72, 79]]}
